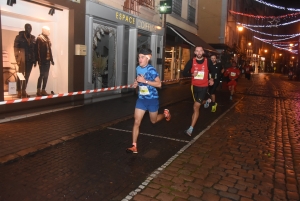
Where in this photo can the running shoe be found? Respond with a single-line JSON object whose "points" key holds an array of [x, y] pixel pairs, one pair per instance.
{"points": [[167, 114], [214, 107], [132, 149], [206, 105], [188, 132]]}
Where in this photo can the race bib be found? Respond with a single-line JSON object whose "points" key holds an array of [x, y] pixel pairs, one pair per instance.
{"points": [[144, 90], [200, 75], [232, 74]]}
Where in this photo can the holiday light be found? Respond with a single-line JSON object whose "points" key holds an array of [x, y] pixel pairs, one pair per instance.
{"points": [[278, 7], [276, 25], [278, 39], [284, 45], [282, 48], [264, 17], [294, 35]]}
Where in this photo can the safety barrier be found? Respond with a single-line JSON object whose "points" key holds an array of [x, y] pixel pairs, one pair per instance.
{"points": [[76, 93]]}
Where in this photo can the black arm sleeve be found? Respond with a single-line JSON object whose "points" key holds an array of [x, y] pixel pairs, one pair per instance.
{"points": [[187, 69]]}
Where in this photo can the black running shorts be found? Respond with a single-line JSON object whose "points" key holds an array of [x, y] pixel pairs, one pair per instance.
{"points": [[199, 93]]}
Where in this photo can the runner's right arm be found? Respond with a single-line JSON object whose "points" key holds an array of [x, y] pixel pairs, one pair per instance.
{"points": [[187, 69]]}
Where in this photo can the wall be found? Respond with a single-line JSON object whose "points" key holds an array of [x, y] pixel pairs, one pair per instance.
{"points": [[210, 20]]}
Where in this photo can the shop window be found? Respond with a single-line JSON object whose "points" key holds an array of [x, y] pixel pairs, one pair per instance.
{"points": [[22, 25], [104, 56]]}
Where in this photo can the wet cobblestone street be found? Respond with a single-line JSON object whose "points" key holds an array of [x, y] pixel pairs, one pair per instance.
{"points": [[252, 153]]}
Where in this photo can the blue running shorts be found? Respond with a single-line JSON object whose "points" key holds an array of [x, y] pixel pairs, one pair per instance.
{"points": [[151, 105]]}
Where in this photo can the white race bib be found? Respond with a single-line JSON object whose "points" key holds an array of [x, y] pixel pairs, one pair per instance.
{"points": [[144, 90], [200, 75], [232, 74]]}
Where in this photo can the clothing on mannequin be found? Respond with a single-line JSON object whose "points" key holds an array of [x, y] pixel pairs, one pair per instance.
{"points": [[24, 45], [44, 59]]}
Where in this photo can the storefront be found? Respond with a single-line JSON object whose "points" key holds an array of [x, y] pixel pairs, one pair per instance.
{"points": [[64, 23], [180, 45], [113, 39]]}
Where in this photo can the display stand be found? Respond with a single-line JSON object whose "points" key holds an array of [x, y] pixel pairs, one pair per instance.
{"points": [[22, 79]]}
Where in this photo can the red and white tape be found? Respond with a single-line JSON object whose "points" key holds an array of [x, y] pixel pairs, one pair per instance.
{"points": [[73, 93]]}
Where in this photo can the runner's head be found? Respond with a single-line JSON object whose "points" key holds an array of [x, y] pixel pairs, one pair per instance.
{"points": [[199, 53], [144, 56], [213, 58], [233, 64]]}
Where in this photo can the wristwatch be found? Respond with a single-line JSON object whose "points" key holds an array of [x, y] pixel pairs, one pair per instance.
{"points": [[146, 82]]}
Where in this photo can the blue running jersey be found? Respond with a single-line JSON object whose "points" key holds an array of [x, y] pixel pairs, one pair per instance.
{"points": [[150, 74]]}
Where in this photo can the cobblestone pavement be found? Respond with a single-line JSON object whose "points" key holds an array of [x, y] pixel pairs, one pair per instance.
{"points": [[251, 153]]}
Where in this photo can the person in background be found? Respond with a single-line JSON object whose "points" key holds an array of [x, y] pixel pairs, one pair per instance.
{"points": [[233, 74], [248, 70], [215, 72]]}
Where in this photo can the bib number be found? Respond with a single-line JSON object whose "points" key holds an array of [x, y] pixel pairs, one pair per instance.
{"points": [[232, 74], [144, 90], [200, 75]]}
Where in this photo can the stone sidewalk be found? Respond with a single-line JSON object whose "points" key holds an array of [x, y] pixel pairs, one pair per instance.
{"points": [[250, 153]]}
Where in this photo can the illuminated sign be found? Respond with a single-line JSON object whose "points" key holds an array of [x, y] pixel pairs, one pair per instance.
{"points": [[125, 18], [140, 24]]}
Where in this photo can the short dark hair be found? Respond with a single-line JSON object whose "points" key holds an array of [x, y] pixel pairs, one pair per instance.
{"points": [[145, 51]]}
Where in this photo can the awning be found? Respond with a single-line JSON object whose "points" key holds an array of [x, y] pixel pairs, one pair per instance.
{"points": [[191, 38]]}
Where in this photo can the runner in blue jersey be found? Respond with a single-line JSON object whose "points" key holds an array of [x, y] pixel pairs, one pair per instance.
{"points": [[147, 79]]}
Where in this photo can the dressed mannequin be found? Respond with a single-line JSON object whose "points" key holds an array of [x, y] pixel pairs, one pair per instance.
{"points": [[24, 45], [43, 57]]}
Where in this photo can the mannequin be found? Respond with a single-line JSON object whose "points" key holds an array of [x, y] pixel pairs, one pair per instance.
{"points": [[24, 45], [44, 58]]}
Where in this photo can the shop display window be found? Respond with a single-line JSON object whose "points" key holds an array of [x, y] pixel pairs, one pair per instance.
{"points": [[23, 24], [175, 60], [104, 56]]}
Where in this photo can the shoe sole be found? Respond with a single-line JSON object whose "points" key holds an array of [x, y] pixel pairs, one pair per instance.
{"points": [[131, 152], [187, 133], [169, 115]]}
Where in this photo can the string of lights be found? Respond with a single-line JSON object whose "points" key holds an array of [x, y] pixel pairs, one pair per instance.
{"points": [[268, 34], [278, 39], [287, 42], [285, 45], [278, 7], [264, 17], [274, 45], [271, 25]]}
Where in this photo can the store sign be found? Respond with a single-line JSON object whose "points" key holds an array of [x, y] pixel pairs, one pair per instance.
{"points": [[125, 18], [140, 24]]}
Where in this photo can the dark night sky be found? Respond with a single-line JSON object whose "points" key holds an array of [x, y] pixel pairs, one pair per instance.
{"points": [[286, 3]]}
